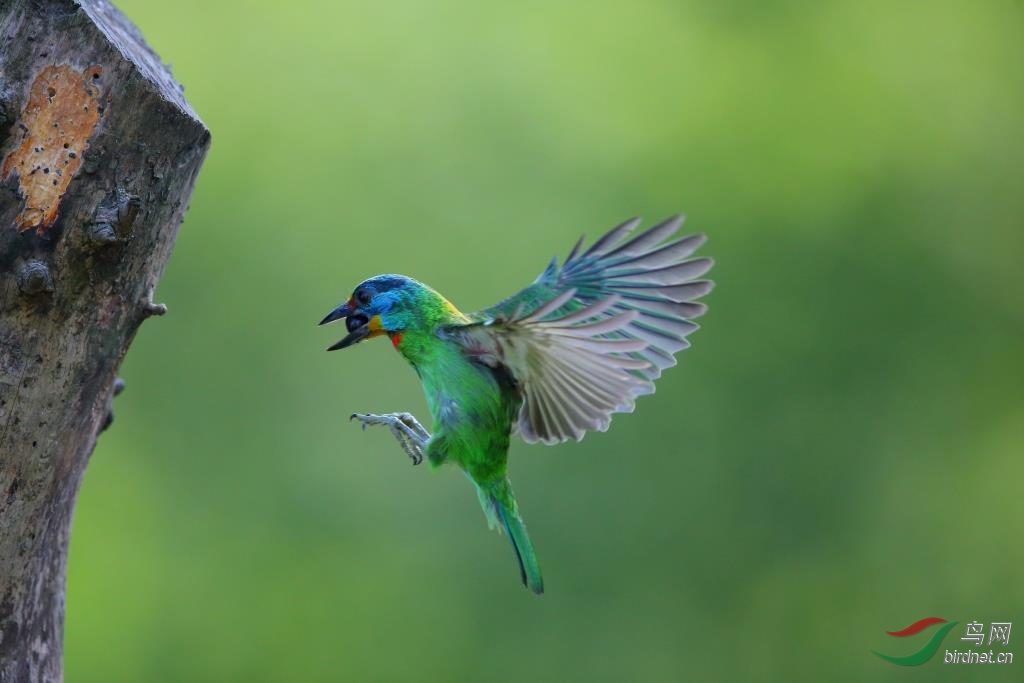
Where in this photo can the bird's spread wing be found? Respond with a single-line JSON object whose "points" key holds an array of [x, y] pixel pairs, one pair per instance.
{"points": [[585, 339]]}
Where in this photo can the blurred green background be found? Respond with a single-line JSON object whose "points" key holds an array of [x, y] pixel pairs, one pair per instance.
{"points": [[837, 455]]}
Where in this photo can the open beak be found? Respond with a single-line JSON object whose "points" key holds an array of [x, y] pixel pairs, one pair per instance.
{"points": [[342, 311], [360, 326]]}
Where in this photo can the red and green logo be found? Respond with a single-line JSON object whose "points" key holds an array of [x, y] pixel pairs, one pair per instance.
{"points": [[926, 652]]}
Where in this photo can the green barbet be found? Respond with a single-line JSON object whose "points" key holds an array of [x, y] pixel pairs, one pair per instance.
{"points": [[547, 364]]}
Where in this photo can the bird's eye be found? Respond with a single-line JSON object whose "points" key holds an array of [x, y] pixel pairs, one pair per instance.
{"points": [[363, 297]]}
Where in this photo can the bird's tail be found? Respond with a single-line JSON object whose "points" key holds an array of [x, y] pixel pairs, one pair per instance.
{"points": [[500, 507]]}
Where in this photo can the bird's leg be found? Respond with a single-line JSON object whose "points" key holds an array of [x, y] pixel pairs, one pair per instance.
{"points": [[411, 435]]}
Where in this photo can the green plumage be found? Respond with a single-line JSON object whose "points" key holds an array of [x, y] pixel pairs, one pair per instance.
{"points": [[548, 364], [472, 408]]}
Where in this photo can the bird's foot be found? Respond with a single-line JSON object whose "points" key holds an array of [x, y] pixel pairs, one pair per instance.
{"points": [[411, 435]]}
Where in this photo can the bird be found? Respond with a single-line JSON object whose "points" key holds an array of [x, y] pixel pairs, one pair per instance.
{"points": [[548, 364]]}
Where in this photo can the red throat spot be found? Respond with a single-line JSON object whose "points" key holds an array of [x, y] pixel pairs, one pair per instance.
{"points": [[396, 339]]}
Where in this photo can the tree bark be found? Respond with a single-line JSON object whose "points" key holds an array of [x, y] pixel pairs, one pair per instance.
{"points": [[98, 155]]}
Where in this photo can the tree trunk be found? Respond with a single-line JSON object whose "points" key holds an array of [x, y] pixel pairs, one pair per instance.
{"points": [[98, 155]]}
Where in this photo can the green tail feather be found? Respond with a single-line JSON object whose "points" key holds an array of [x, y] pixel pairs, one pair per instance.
{"points": [[529, 568], [508, 516]]}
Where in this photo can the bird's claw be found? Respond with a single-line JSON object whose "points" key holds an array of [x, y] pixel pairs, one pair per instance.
{"points": [[355, 416], [409, 433]]}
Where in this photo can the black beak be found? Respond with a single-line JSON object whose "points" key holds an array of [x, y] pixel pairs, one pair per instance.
{"points": [[342, 311], [356, 335], [358, 324]]}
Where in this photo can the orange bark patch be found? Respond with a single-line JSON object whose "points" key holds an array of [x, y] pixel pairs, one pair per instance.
{"points": [[56, 125]]}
